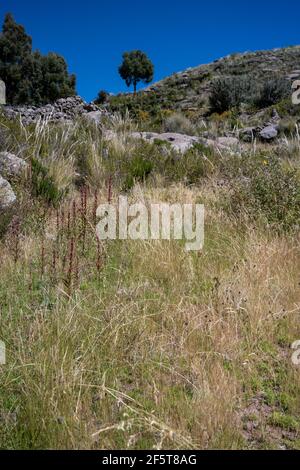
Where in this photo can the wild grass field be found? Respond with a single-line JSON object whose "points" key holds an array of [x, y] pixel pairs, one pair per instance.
{"points": [[140, 344]]}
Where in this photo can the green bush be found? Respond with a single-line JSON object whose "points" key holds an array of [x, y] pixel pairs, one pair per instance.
{"points": [[272, 92], [178, 123], [43, 185], [228, 93], [139, 169], [266, 189]]}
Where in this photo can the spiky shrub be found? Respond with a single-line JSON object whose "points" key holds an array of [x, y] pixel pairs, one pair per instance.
{"points": [[43, 184], [269, 191], [138, 170], [228, 93], [179, 123], [272, 92]]}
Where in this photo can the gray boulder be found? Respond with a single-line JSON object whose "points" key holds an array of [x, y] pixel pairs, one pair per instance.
{"points": [[230, 142], [269, 133], [179, 142], [94, 116], [10, 165], [7, 196]]}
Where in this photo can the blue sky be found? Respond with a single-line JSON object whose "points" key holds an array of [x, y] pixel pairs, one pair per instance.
{"points": [[176, 34]]}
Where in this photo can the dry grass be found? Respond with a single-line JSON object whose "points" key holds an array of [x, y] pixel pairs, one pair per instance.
{"points": [[161, 349]]}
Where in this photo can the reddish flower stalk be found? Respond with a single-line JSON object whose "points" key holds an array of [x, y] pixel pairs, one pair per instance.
{"points": [[15, 232], [57, 220], [62, 218], [77, 270], [82, 199], [54, 261], [83, 215], [69, 221], [109, 191], [95, 207], [43, 257], [74, 209], [86, 193], [71, 262]]}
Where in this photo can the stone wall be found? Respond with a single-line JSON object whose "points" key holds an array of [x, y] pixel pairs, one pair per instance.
{"points": [[65, 109]]}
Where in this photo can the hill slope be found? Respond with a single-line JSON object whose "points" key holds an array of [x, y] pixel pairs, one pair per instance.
{"points": [[189, 89]]}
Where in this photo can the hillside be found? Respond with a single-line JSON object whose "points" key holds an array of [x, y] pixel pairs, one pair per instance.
{"points": [[189, 90]]}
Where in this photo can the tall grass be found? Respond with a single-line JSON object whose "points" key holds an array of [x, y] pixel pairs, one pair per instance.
{"points": [[158, 348], [139, 344]]}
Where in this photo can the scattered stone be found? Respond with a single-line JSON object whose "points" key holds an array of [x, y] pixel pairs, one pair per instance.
{"points": [[179, 142], [10, 165], [231, 142], [182, 142], [7, 196], [94, 116], [269, 133]]}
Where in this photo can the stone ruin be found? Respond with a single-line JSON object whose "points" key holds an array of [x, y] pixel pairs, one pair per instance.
{"points": [[2, 92]]}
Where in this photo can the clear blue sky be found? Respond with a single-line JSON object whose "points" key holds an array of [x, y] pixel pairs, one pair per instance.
{"points": [[176, 34]]}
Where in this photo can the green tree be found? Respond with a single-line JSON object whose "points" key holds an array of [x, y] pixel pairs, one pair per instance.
{"points": [[15, 47], [30, 77], [57, 83], [136, 67]]}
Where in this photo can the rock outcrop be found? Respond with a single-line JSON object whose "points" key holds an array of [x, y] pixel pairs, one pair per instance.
{"points": [[269, 133], [7, 196], [10, 168], [10, 165], [179, 142]]}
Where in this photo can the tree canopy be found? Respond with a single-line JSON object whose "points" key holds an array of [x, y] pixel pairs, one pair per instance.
{"points": [[136, 67], [30, 77]]}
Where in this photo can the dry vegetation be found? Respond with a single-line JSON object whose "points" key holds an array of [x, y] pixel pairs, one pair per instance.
{"points": [[142, 345]]}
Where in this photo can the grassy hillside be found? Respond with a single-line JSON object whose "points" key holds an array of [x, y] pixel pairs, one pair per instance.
{"points": [[189, 91]]}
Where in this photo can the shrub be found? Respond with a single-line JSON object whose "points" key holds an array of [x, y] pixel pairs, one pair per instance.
{"points": [[287, 126], [180, 124], [43, 184], [272, 92], [268, 190], [139, 169], [228, 93], [197, 163]]}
